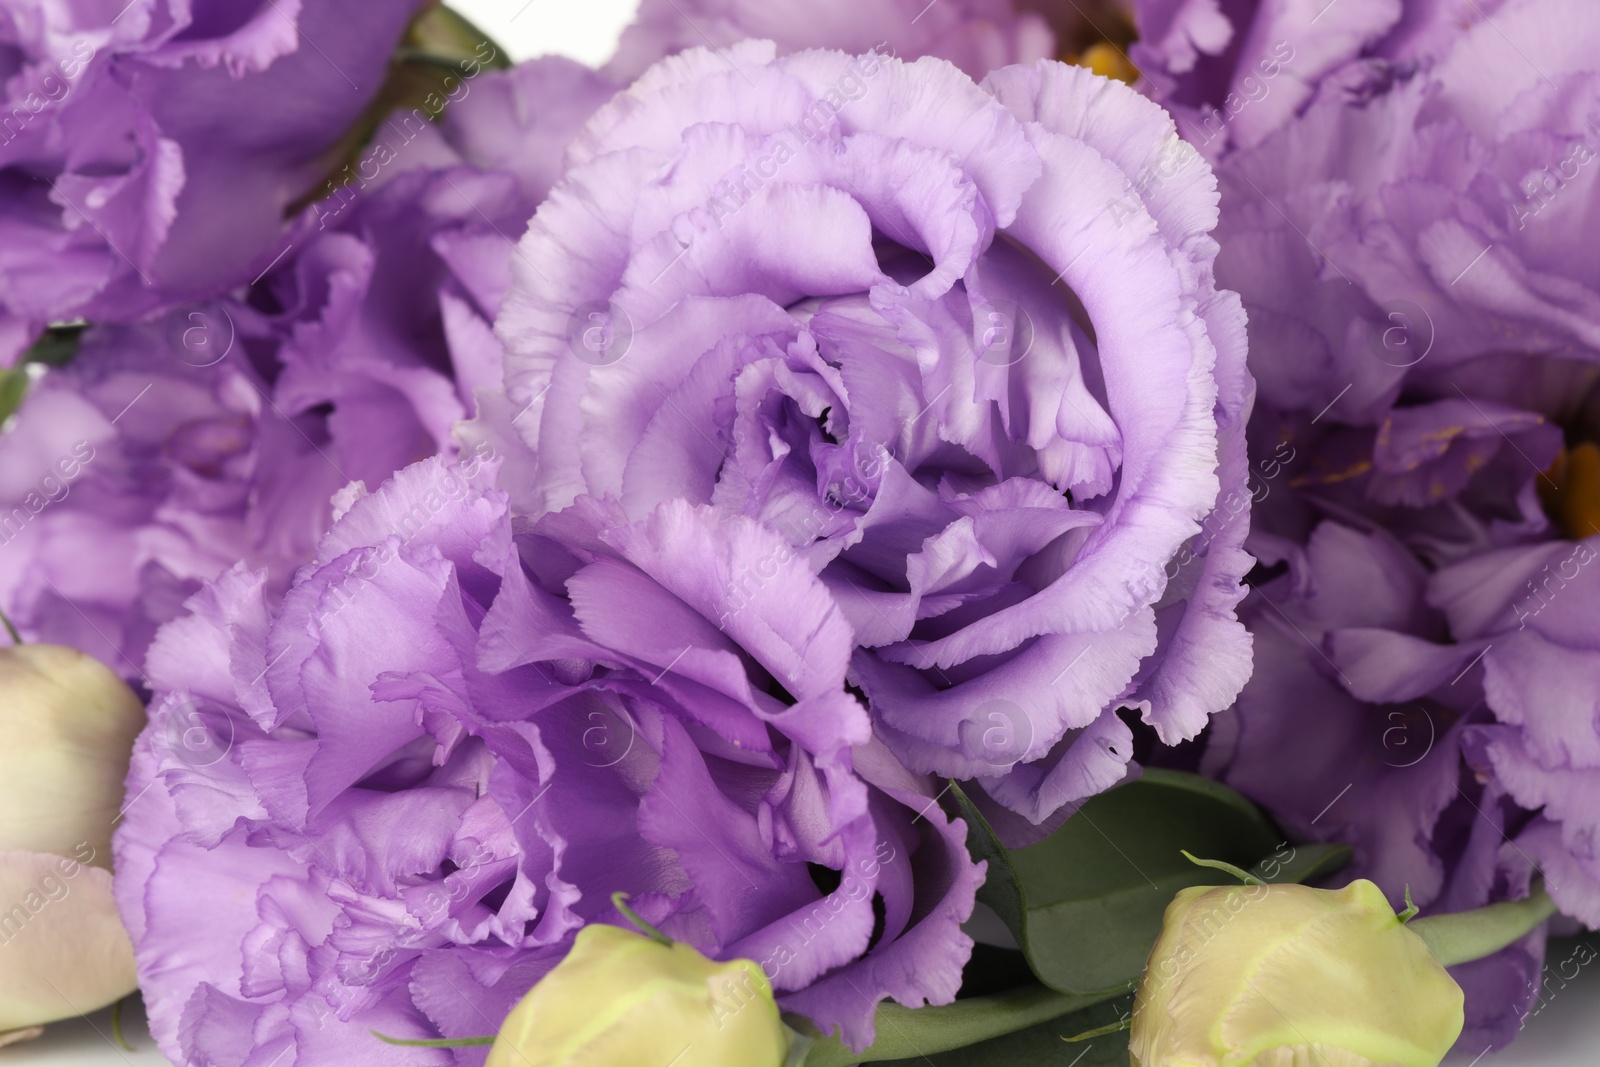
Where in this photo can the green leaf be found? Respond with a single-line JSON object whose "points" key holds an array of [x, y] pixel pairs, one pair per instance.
{"points": [[1305, 863], [53, 348], [1043, 1045], [1085, 905], [56, 346], [13, 388]]}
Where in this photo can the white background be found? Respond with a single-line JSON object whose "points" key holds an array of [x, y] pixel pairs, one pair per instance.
{"points": [[1566, 1033]]}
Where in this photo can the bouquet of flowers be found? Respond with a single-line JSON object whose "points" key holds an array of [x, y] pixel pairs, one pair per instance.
{"points": [[854, 532]]}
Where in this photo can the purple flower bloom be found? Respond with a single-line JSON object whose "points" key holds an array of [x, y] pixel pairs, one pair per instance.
{"points": [[1405, 208], [404, 791], [976, 35], [1532, 608], [148, 154], [928, 332], [1235, 71], [130, 476], [165, 452], [1354, 729], [1413, 233]]}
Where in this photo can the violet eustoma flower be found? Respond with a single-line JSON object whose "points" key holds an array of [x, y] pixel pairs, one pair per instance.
{"points": [[165, 452], [1234, 73], [452, 744], [148, 152], [1406, 210], [932, 334], [1444, 380], [1358, 726]]}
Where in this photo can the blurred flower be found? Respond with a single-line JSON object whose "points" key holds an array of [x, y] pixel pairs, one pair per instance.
{"points": [[451, 744], [620, 999], [976, 35], [1092, 33], [69, 725], [166, 451], [1532, 609], [968, 373], [1286, 974], [148, 152], [1234, 73]]}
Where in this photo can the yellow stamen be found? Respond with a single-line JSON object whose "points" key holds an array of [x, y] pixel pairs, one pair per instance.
{"points": [[1109, 61]]}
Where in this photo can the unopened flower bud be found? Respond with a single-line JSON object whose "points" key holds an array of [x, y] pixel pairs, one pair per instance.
{"points": [[1285, 975], [623, 999], [69, 724], [63, 950]]}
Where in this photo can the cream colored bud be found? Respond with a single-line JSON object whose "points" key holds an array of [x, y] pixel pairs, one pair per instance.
{"points": [[623, 1000], [69, 724], [63, 951], [1290, 976]]}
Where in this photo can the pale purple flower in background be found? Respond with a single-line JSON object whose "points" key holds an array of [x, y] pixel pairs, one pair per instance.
{"points": [[148, 152], [976, 35], [165, 452], [1412, 231]]}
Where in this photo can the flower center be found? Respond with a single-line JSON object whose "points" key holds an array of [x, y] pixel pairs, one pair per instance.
{"points": [[206, 445], [1094, 34], [1571, 491]]}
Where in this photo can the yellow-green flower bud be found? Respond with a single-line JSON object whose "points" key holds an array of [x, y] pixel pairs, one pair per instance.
{"points": [[623, 999], [1289, 976], [69, 725]]}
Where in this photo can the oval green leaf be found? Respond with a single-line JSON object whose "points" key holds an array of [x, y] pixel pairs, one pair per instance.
{"points": [[1085, 905]]}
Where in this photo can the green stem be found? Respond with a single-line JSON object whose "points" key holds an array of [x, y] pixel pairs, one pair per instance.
{"points": [[619, 900], [1463, 936], [1101, 1031], [16, 638], [432, 1042], [909, 1033], [116, 1024], [1240, 873]]}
